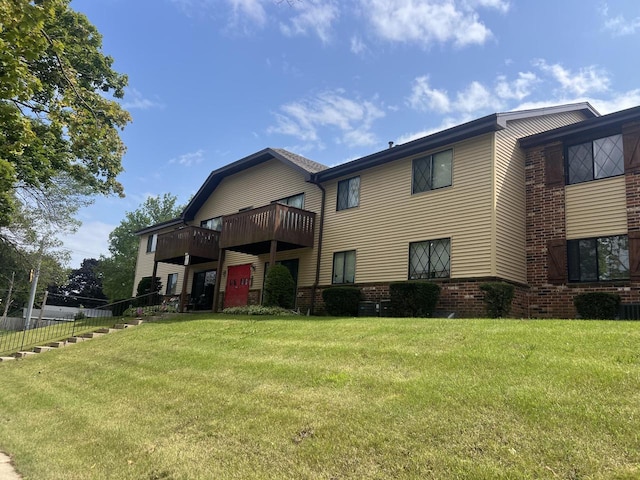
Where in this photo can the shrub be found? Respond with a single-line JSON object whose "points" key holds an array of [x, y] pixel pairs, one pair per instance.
{"points": [[497, 298], [257, 310], [341, 301], [413, 299], [279, 287], [145, 288], [597, 305]]}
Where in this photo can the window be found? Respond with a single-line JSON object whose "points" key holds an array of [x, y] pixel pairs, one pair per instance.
{"points": [[598, 259], [348, 193], [212, 224], [152, 243], [599, 158], [429, 259], [172, 283], [344, 267], [293, 201], [432, 172]]}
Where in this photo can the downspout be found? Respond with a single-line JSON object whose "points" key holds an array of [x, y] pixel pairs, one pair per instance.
{"points": [[317, 280]]}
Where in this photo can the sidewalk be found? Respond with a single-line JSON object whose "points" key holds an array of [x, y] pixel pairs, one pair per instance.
{"points": [[7, 471]]}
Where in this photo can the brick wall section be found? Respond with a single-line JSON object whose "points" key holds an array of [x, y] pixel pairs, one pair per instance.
{"points": [[546, 221], [462, 297], [632, 184]]}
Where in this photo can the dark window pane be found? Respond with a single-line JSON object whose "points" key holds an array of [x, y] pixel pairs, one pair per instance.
{"points": [[613, 257], [580, 163], [588, 260], [573, 259], [350, 266], [440, 258], [421, 175], [608, 159]]}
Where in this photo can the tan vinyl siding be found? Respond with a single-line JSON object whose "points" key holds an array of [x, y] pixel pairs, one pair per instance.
{"points": [[144, 267], [510, 215], [256, 187], [389, 217], [596, 209]]}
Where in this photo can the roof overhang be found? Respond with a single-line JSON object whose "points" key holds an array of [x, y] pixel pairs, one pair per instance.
{"points": [[604, 125], [160, 226]]}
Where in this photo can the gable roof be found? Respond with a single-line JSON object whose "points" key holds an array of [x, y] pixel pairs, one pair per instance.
{"points": [[490, 123], [606, 125], [305, 166]]}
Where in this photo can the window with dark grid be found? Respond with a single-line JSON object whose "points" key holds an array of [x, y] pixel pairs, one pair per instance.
{"points": [[600, 158], [598, 259], [348, 193], [430, 259], [344, 267], [432, 172]]}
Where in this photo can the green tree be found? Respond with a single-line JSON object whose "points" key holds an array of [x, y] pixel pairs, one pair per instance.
{"points": [[83, 287], [118, 269], [55, 118]]}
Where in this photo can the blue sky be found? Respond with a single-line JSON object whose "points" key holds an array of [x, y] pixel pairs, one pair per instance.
{"points": [[212, 81]]}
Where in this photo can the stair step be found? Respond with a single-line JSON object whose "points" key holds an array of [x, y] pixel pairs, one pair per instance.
{"points": [[6, 359], [23, 354], [42, 349], [106, 330], [56, 344], [92, 335], [121, 326], [137, 321], [75, 339]]}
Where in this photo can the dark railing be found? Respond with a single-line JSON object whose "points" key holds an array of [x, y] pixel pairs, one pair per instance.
{"points": [[279, 222], [18, 334], [202, 244]]}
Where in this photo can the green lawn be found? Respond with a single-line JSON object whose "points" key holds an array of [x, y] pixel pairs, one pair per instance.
{"points": [[220, 398]]}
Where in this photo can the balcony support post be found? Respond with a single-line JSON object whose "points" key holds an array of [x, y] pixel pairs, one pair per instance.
{"points": [[183, 293], [216, 287], [272, 252], [153, 283]]}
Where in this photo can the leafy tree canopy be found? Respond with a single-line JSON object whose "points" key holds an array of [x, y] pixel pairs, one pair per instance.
{"points": [[55, 118], [118, 270], [84, 287]]}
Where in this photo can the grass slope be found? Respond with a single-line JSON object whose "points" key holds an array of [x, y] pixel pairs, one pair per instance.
{"points": [[220, 398]]}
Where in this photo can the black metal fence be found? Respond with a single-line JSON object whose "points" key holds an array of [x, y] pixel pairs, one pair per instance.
{"points": [[28, 334]]}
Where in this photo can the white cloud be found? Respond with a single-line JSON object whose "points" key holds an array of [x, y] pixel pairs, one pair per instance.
{"points": [[424, 98], [251, 9], [619, 25], [430, 21], [357, 45], [312, 16], [476, 97], [133, 99], [517, 89], [586, 80], [189, 159], [331, 109]]}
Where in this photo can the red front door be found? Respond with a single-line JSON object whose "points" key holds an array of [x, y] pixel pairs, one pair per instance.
{"points": [[236, 293]]}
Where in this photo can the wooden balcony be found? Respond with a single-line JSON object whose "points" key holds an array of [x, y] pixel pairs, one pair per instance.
{"points": [[253, 230], [202, 245]]}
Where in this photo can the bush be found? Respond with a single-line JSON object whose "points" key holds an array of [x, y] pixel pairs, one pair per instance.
{"points": [[497, 298], [257, 310], [279, 287], [413, 299], [341, 301], [597, 305], [144, 289]]}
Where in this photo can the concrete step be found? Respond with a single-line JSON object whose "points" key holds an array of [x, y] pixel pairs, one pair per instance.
{"points": [[6, 359], [23, 354], [42, 349], [106, 330], [56, 344], [92, 335], [76, 339], [137, 321], [121, 326]]}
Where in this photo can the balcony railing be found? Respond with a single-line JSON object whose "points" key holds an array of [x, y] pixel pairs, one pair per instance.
{"points": [[202, 245], [253, 230]]}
